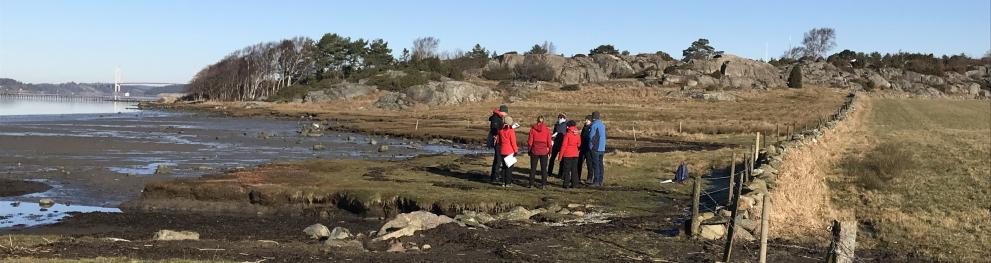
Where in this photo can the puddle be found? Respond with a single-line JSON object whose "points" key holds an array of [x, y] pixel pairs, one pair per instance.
{"points": [[26, 214], [140, 170]]}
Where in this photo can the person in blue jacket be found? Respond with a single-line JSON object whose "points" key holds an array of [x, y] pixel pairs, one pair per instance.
{"points": [[597, 148]]}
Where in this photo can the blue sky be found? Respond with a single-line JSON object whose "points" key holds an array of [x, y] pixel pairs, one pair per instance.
{"points": [[168, 41]]}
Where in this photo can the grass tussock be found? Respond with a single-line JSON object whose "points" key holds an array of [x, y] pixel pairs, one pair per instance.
{"points": [[876, 169]]}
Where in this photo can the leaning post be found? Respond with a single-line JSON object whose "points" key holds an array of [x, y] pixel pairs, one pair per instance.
{"points": [[763, 227], [696, 194]]}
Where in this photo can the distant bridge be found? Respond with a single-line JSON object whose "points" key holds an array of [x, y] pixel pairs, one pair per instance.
{"points": [[64, 97]]}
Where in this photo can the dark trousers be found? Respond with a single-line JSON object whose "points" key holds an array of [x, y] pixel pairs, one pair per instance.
{"points": [[496, 164], [597, 167], [584, 161], [555, 150], [568, 175], [542, 160], [507, 172]]}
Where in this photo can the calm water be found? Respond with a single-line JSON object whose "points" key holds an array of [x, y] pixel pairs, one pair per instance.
{"points": [[29, 106]]}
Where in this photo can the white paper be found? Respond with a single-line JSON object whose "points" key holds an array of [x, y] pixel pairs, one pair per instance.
{"points": [[510, 160]]}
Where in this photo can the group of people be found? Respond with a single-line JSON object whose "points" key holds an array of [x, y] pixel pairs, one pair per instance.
{"points": [[565, 143]]}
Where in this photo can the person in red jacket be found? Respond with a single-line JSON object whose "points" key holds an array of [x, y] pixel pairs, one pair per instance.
{"points": [[539, 143], [569, 156], [507, 147]]}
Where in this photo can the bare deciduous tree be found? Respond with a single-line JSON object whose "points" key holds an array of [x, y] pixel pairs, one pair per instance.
{"points": [[818, 41], [794, 53], [425, 47]]}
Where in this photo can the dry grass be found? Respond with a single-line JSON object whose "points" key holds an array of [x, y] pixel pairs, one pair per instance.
{"points": [[802, 206], [943, 199], [102, 260]]}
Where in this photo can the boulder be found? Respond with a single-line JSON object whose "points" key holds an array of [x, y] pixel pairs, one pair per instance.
{"points": [[340, 91], [170, 235], [878, 82], [408, 223], [739, 72], [712, 232], [447, 93], [974, 89], [317, 231], [394, 101]]}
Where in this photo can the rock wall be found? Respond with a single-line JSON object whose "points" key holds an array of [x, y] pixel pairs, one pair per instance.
{"points": [[764, 179]]}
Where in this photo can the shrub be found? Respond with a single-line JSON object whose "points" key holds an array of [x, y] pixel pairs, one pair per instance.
{"points": [[879, 166], [400, 83], [795, 78], [501, 72], [534, 70], [604, 49], [571, 87]]}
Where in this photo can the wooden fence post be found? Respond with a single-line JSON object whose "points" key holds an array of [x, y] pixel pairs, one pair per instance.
{"points": [[696, 194], [844, 242], [763, 227], [732, 174], [728, 248]]}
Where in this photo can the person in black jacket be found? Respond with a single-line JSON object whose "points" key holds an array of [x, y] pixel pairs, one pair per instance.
{"points": [[583, 158], [495, 123], [560, 128]]}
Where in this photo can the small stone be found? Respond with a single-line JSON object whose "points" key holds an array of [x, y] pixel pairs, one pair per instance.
{"points": [[340, 233], [396, 247], [317, 231], [426, 246], [578, 213], [564, 211], [46, 202], [373, 142], [162, 169], [554, 208], [712, 232], [574, 205], [383, 148], [319, 147]]}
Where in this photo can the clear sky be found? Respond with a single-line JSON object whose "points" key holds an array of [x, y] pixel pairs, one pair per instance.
{"points": [[169, 41]]}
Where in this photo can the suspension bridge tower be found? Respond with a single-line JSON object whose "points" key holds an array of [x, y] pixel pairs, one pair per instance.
{"points": [[117, 83]]}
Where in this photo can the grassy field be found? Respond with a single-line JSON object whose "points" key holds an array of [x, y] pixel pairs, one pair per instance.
{"points": [[918, 178]]}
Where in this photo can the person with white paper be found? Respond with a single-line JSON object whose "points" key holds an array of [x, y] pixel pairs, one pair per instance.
{"points": [[507, 149]]}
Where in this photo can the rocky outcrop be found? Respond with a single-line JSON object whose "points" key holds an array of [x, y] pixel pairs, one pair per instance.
{"points": [[726, 71], [436, 93], [340, 91], [972, 83]]}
